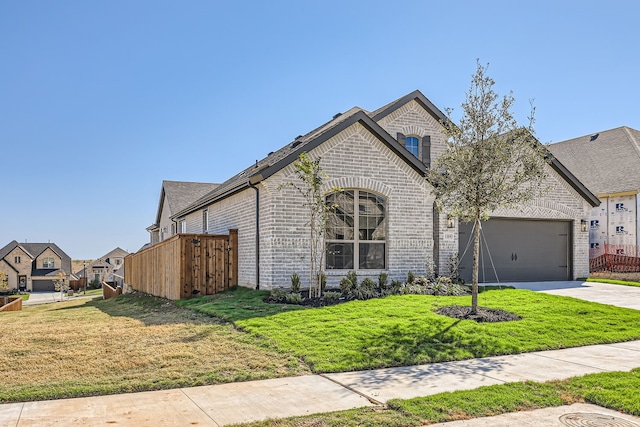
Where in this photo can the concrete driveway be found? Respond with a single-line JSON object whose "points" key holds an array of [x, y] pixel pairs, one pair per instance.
{"points": [[604, 293]]}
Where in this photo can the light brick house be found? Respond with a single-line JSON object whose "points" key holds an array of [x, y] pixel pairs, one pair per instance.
{"points": [[33, 266], [103, 268], [387, 222], [608, 163]]}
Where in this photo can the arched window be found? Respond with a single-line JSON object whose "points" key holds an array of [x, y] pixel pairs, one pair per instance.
{"points": [[356, 232], [411, 142]]}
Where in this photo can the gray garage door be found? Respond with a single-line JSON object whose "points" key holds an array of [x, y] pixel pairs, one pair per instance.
{"points": [[43, 285], [521, 250]]}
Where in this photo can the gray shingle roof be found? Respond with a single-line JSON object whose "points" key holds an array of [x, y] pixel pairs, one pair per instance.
{"points": [[35, 249], [289, 152], [606, 163], [181, 194]]}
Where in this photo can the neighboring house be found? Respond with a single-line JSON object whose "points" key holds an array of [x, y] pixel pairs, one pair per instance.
{"points": [[174, 197], [103, 268], [34, 266], [608, 163], [386, 217]]}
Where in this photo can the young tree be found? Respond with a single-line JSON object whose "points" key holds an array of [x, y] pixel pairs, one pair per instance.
{"points": [[4, 282], [61, 283], [490, 161], [311, 179]]}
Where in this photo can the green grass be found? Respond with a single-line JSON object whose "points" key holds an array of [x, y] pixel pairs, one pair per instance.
{"points": [[238, 303], [618, 391], [615, 282], [404, 330]]}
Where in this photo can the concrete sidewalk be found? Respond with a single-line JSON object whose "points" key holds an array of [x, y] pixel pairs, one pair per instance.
{"points": [[225, 404]]}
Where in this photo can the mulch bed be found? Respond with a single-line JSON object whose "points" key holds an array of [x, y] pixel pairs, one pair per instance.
{"points": [[483, 314]]}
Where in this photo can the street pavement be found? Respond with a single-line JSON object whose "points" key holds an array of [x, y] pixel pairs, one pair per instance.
{"points": [[220, 405]]}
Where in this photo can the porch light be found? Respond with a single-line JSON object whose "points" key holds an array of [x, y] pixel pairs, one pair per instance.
{"points": [[584, 226], [451, 222]]}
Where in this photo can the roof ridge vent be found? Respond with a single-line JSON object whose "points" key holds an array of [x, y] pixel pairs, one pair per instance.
{"points": [[594, 137]]}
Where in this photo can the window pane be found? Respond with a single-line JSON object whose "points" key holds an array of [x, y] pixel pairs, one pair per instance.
{"points": [[341, 222], [339, 256], [371, 256], [411, 143]]}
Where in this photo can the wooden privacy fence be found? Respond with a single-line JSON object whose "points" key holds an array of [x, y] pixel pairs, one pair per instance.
{"points": [[10, 303], [109, 291], [79, 284], [615, 258], [185, 265]]}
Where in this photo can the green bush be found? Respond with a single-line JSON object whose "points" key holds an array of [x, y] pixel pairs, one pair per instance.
{"points": [[410, 277], [349, 284], [383, 279], [332, 297], [366, 290], [294, 298], [353, 277], [295, 283]]}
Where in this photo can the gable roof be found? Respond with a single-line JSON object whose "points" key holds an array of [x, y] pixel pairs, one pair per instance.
{"points": [[286, 155], [281, 158], [117, 252], [606, 162], [36, 249], [179, 194], [417, 96]]}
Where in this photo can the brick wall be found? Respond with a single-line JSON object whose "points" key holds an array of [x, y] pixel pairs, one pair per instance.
{"points": [[353, 159], [237, 211]]}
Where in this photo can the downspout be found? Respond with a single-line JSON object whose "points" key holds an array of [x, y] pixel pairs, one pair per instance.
{"points": [[257, 234]]}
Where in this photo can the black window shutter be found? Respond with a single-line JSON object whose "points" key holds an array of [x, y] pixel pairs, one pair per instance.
{"points": [[402, 139], [426, 150]]}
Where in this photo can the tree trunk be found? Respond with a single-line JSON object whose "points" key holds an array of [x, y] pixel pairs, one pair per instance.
{"points": [[476, 257]]}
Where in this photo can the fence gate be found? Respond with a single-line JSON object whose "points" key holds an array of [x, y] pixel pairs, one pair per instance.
{"points": [[185, 265]]}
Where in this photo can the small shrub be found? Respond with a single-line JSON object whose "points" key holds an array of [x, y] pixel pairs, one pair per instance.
{"points": [[410, 277], [349, 284], [383, 279], [295, 283], [366, 290], [396, 286], [353, 277], [431, 269], [294, 298], [346, 287], [332, 297], [454, 269], [277, 295]]}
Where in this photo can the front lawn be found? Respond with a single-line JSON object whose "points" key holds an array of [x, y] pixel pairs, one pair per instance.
{"points": [[404, 330], [131, 343]]}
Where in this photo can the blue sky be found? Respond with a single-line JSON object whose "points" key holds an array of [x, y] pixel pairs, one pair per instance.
{"points": [[102, 100]]}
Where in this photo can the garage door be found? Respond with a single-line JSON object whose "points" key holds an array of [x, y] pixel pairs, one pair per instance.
{"points": [[43, 285], [521, 251]]}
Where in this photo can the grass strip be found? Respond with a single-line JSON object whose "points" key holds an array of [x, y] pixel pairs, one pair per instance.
{"points": [[614, 390], [614, 282]]}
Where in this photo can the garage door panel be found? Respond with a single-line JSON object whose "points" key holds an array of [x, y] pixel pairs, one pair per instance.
{"points": [[519, 250], [43, 285]]}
